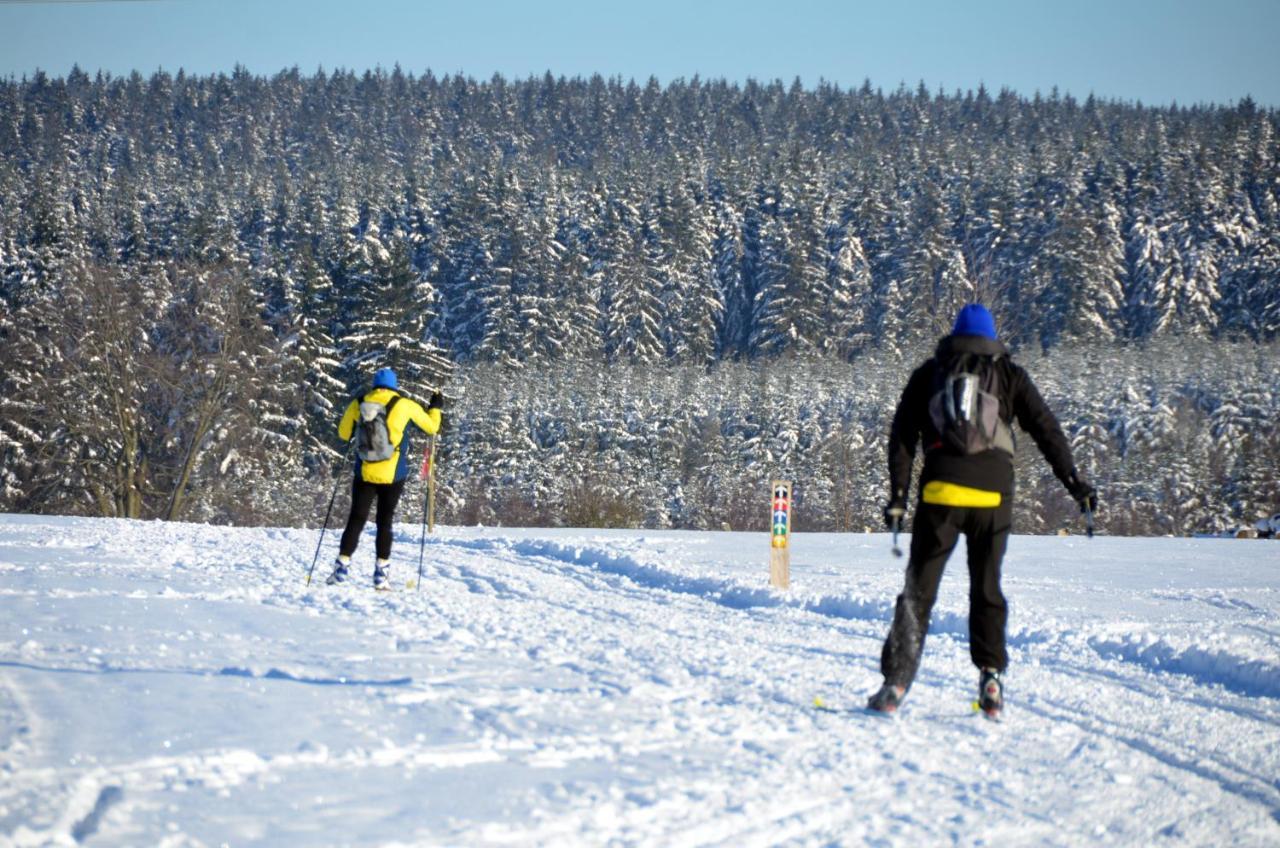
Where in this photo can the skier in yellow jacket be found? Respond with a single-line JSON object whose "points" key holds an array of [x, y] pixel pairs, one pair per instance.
{"points": [[379, 422]]}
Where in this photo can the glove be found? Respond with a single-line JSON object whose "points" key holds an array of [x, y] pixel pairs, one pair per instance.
{"points": [[894, 512], [436, 402], [1083, 493]]}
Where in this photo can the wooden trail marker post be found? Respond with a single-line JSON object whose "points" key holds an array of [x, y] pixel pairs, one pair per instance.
{"points": [[780, 534]]}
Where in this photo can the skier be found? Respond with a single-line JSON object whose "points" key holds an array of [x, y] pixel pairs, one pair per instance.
{"points": [[378, 421], [962, 403]]}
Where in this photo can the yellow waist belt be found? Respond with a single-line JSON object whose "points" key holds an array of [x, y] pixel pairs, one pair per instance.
{"points": [[950, 494]]}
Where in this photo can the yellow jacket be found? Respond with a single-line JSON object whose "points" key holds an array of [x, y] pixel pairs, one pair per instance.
{"points": [[406, 411]]}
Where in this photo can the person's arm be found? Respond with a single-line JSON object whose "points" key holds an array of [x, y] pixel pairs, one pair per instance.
{"points": [[347, 425], [1039, 422], [904, 434], [428, 420]]}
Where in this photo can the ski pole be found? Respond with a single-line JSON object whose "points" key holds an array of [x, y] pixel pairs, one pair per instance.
{"points": [[327, 513], [897, 528], [428, 506], [1088, 522], [426, 498], [431, 489]]}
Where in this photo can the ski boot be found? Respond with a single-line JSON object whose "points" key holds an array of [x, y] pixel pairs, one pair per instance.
{"points": [[339, 574], [991, 693], [382, 575], [887, 700]]}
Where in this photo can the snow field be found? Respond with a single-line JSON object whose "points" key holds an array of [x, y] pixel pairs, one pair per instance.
{"points": [[178, 684]]}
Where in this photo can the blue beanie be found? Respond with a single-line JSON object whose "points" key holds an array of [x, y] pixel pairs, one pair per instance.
{"points": [[384, 378], [975, 320]]}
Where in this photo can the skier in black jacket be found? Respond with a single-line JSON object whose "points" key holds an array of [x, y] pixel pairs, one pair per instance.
{"points": [[966, 487]]}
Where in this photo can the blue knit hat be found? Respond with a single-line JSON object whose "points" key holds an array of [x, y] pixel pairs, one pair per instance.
{"points": [[385, 378], [975, 320]]}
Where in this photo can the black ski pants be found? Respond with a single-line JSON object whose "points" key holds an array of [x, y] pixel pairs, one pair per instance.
{"points": [[933, 536], [362, 497]]}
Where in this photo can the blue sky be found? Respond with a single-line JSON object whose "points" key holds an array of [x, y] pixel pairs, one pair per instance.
{"points": [[1157, 52]]}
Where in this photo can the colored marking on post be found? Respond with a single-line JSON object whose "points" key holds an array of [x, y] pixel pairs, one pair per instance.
{"points": [[780, 534]]}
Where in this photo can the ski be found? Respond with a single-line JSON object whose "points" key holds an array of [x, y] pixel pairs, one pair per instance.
{"points": [[823, 706]]}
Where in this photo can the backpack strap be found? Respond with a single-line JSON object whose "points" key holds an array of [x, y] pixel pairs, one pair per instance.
{"points": [[360, 400], [364, 398]]}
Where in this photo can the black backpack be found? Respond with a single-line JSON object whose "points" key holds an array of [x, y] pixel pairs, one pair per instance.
{"points": [[373, 439], [965, 405]]}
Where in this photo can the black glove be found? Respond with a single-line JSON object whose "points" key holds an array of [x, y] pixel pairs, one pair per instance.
{"points": [[894, 512], [1083, 493], [436, 402]]}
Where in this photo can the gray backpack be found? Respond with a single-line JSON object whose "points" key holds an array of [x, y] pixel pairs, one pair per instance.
{"points": [[373, 439], [965, 406]]}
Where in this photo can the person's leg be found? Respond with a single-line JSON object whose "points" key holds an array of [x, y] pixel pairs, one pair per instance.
{"points": [[388, 498], [987, 535], [362, 495], [933, 536]]}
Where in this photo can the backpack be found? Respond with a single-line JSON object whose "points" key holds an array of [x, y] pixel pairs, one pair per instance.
{"points": [[373, 439], [965, 405]]}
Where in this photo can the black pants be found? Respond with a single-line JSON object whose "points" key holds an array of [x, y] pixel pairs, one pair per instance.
{"points": [[933, 536], [362, 497]]}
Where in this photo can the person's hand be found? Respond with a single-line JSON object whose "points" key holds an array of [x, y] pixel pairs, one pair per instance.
{"points": [[894, 512], [436, 401], [1083, 494]]}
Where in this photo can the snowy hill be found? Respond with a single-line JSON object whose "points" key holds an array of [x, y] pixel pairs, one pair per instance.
{"points": [[177, 684]]}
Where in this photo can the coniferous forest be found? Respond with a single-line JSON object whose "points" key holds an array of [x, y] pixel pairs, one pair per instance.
{"points": [[641, 301]]}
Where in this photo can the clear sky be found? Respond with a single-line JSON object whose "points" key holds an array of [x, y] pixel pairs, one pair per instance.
{"points": [[1156, 51]]}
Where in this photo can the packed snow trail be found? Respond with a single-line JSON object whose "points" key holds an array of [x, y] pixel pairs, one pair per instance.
{"points": [[177, 683]]}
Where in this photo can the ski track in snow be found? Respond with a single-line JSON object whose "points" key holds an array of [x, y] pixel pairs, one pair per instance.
{"points": [[179, 685]]}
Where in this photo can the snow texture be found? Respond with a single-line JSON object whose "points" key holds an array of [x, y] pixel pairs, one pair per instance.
{"points": [[171, 684]]}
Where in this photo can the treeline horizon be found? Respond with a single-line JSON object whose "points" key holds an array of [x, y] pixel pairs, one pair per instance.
{"points": [[218, 262]]}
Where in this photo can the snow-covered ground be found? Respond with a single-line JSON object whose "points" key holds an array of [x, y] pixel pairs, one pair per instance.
{"points": [[170, 684]]}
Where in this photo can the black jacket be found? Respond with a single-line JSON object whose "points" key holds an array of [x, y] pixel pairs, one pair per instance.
{"points": [[990, 470]]}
